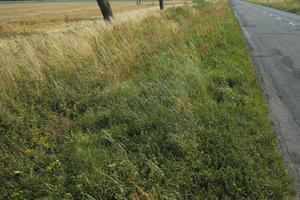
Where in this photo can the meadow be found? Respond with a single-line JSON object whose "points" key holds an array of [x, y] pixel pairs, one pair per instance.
{"points": [[166, 107]]}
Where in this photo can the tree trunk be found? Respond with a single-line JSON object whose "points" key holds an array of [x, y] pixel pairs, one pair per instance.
{"points": [[161, 4], [105, 9]]}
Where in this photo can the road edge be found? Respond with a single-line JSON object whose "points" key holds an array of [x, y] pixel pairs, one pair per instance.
{"points": [[279, 124]]}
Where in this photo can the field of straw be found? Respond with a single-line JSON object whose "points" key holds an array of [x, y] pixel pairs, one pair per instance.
{"points": [[28, 18]]}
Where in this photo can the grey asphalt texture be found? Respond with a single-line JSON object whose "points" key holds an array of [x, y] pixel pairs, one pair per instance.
{"points": [[273, 37]]}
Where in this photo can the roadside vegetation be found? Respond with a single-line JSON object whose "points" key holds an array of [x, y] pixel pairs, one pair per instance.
{"points": [[292, 6], [167, 108]]}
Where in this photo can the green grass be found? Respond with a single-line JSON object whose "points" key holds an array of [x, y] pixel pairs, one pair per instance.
{"points": [[292, 6], [177, 114]]}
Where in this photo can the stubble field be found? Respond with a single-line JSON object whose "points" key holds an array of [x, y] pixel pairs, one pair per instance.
{"points": [[28, 18]]}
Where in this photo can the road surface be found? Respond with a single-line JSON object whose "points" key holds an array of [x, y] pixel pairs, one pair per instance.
{"points": [[274, 42]]}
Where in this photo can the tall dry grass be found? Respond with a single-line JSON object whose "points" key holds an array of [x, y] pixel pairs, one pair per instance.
{"points": [[63, 48]]}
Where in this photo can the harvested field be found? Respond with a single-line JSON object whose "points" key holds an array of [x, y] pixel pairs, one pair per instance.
{"points": [[27, 18]]}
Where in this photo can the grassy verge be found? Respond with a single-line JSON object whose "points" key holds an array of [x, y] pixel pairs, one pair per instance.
{"points": [[292, 6], [166, 109]]}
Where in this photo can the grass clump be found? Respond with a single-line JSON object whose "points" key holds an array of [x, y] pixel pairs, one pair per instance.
{"points": [[166, 109]]}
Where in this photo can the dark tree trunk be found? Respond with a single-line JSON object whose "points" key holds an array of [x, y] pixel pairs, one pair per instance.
{"points": [[105, 9], [161, 4]]}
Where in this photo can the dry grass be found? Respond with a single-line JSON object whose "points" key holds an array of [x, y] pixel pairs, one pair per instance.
{"points": [[29, 50], [42, 17]]}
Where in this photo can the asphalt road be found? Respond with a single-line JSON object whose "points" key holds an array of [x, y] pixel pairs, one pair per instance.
{"points": [[274, 42]]}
